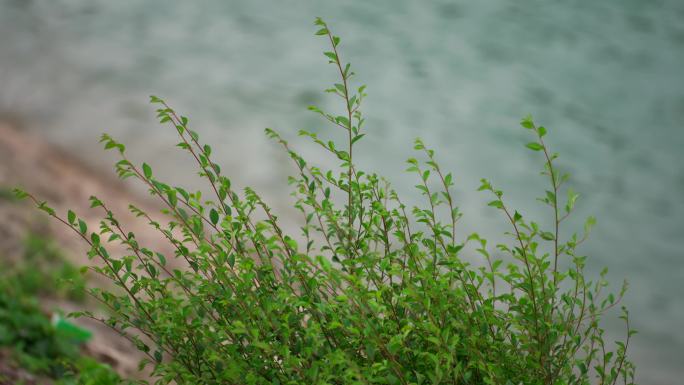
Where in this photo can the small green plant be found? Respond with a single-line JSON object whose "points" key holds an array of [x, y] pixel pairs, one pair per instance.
{"points": [[87, 371], [35, 342], [44, 271], [24, 327], [371, 292]]}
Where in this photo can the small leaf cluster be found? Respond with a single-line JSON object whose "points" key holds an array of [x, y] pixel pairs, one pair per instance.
{"points": [[371, 291]]}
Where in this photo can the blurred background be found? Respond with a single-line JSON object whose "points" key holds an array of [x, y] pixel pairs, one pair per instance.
{"points": [[604, 77]]}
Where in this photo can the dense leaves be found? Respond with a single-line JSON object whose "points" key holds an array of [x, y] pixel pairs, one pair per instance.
{"points": [[371, 291]]}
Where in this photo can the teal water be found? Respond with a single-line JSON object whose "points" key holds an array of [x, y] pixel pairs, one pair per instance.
{"points": [[606, 78]]}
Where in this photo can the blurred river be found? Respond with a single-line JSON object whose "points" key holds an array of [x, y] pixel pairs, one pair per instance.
{"points": [[605, 77]]}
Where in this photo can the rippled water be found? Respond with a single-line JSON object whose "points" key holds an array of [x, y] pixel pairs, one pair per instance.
{"points": [[605, 77]]}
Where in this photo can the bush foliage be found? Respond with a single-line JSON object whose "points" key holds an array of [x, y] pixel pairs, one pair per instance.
{"points": [[371, 292]]}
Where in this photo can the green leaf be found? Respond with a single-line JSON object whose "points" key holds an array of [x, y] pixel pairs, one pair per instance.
{"points": [[147, 170], [572, 198], [183, 193], [82, 226], [347, 67], [214, 216], [447, 179], [43, 206], [331, 55], [173, 198], [162, 259], [116, 265], [343, 121], [322, 31], [94, 202], [352, 100], [534, 146], [343, 155], [591, 221], [71, 217], [551, 197], [517, 216], [547, 236], [291, 243], [527, 122], [20, 194]]}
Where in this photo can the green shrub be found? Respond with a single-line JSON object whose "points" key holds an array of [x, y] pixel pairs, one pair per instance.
{"points": [[23, 327], [371, 291], [44, 271], [87, 371], [36, 344]]}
